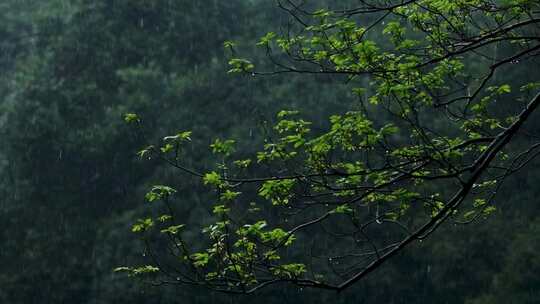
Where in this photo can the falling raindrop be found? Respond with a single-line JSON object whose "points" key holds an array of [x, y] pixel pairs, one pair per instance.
{"points": [[378, 219]]}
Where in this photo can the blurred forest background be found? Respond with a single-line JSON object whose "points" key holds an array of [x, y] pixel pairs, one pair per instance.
{"points": [[71, 183]]}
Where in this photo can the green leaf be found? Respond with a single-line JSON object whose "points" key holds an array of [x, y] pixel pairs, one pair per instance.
{"points": [[200, 259], [504, 89], [266, 39], [229, 195], [220, 209], [142, 225], [239, 65], [179, 137], [278, 191], [213, 178], [164, 218], [167, 148], [146, 151], [225, 147], [172, 229], [159, 192], [289, 270], [342, 209], [229, 44], [131, 117], [136, 271], [283, 113], [242, 163]]}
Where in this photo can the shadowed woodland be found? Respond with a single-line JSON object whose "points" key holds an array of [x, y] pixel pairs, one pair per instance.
{"points": [[260, 151]]}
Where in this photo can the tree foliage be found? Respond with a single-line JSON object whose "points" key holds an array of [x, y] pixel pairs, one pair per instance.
{"points": [[323, 204]]}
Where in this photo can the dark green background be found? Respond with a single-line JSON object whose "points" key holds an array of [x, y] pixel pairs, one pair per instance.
{"points": [[71, 184]]}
